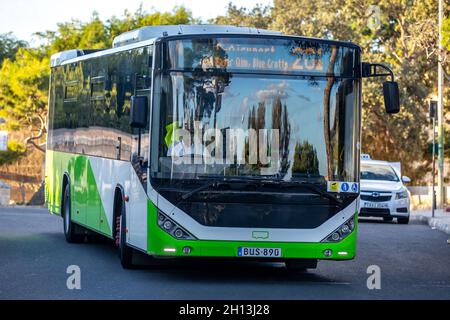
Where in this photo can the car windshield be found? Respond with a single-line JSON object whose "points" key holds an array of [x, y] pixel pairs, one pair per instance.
{"points": [[221, 121], [378, 172]]}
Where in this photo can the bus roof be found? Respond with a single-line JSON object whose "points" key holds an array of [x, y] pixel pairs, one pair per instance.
{"points": [[147, 35]]}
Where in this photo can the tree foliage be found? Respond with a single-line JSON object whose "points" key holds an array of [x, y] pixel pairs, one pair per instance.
{"points": [[98, 34], [24, 73], [9, 46], [400, 33], [23, 93], [258, 17], [14, 151]]}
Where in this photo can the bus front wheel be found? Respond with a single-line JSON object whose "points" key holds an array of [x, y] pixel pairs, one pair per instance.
{"points": [[125, 252]]}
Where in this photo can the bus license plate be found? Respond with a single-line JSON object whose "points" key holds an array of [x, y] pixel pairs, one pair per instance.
{"points": [[376, 205], [259, 252]]}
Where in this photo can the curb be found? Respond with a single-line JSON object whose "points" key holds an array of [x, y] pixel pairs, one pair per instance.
{"points": [[433, 222]]}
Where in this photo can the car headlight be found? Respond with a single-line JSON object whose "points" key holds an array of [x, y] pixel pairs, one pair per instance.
{"points": [[172, 228], [402, 195], [342, 232]]}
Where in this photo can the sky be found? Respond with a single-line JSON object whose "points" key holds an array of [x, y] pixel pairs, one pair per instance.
{"points": [[25, 17]]}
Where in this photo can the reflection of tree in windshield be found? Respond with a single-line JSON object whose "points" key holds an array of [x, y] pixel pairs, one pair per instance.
{"points": [[205, 87], [256, 121], [306, 162], [326, 117], [280, 121]]}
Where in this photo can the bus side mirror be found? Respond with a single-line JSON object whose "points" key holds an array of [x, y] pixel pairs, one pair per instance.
{"points": [[391, 97], [139, 110]]}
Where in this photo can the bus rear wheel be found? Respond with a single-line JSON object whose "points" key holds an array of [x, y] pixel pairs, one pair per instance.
{"points": [[125, 252], [71, 231]]}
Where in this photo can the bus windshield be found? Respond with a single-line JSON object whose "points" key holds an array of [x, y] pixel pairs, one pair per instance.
{"points": [[267, 108]]}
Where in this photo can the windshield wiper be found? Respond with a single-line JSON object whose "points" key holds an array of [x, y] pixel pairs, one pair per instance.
{"points": [[215, 183], [205, 186], [226, 180], [307, 185], [313, 187]]}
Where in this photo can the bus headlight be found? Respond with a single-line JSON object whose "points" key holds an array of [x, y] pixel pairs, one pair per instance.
{"points": [[342, 232], [170, 227], [401, 195]]}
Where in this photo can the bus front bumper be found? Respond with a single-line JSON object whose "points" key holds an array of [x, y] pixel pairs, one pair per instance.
{"points": [[163, 245]]}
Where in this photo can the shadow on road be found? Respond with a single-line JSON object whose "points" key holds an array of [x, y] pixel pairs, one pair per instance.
{"points": [[99, 253], [206, 270], [223, 270]]}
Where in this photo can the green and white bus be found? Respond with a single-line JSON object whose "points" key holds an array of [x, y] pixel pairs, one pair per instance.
{"points": [[210, 141]]}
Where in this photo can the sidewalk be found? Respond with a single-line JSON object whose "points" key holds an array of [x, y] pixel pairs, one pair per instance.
{"points": [[441, 220]]}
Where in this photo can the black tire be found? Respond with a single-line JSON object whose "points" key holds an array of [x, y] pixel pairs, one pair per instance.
{"points": [[71, 230], [388, 219], [125, 252], [403, 220], [301, 265]]}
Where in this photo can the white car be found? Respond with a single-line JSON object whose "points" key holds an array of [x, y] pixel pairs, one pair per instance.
{"points": [[382, 191]]}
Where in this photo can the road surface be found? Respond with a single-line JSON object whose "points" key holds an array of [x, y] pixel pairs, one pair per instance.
{"points": [[414, 261]]}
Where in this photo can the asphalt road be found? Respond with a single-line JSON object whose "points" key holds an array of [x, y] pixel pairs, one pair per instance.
{"points": [[414, 262]]}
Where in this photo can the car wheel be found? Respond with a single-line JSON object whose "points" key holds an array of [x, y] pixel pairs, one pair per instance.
{"points": [[403, 220]]}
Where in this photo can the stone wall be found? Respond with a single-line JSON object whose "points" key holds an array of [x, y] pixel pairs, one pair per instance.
{"points": [[25, 176]]}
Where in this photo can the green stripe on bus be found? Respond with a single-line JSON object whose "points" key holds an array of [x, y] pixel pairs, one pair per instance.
{"points": [[87, 206]]}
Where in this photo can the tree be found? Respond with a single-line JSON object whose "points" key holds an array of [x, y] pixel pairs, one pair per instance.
{"points": [[97, 34], [398, 41], [23, 94], [24, 74], [402, 34], [258, 17], [13, 152], [9, 46]]}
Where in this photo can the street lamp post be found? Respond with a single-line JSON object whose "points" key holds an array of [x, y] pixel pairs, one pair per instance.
{"points": [[440, 113], [432, 107]]}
